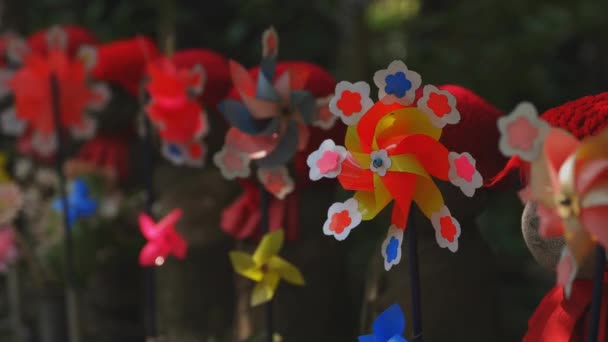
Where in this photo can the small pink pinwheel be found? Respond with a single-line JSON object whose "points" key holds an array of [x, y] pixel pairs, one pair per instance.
{"points": [[163, 239]]}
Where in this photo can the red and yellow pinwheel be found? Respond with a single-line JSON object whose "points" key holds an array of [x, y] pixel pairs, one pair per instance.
{"points": [[392, 152]]}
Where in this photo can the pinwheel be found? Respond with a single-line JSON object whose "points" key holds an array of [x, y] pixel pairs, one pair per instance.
{"points": [[8, 247], [568, 179], [175, 111], [163, 239], [392, 152], [49, 82], [79, 201], [266, 268], [388, 327], [270, 120]]}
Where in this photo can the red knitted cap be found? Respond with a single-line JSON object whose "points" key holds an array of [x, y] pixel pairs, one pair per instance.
{"points": [[77, 36], [123, 62], [477, 131], [582, 117], [218, 79]]}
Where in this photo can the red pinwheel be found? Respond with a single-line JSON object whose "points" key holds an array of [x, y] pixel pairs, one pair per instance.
{"points": [[34, 94], [163, 239]]}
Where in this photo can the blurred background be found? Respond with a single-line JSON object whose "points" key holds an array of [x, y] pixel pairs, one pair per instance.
{"points": [[544, 51]]}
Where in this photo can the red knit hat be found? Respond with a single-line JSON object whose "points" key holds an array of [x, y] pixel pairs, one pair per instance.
{"points": [[581, 117], [123, 62], [217, 81], [76, 37]]}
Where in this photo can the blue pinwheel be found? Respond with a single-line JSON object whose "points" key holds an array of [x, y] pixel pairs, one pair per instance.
{"points": [[270, 121], [388, 327], [80, 203]]}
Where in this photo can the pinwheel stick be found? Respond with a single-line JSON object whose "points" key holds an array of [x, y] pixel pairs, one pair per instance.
{"points": [[149, 272], [596, 301], [412, 250], [71, 298], [265, 228]]}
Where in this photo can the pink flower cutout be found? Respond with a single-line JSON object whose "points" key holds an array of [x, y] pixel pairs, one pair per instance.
{"points": [[163, 239], [326, 161], [522, 132], [463, 173], [277, 181], [232, 163]]}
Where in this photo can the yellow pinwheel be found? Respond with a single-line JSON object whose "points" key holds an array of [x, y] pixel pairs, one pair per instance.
{"points": [[266, 268], [4, 176]]}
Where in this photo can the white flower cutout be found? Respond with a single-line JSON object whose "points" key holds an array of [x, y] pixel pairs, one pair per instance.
{"points": [[232, 163], [85, 130], [57, 38], [439, 106], [270, 43], [44, 144], [195, 154], [325, 119], [397, 83], [277, 181], [522, 132], [11, 124], [326, 161], [380, 162], [342, 218], [567, 269], [391, 247], [16, 48], [447, 229], [203, 129], [174, 153], [101, 97], [463, 173], [198, 79], [350, 101]]}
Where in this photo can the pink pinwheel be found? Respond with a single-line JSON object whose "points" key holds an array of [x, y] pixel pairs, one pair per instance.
{"points": [[163, 239]]}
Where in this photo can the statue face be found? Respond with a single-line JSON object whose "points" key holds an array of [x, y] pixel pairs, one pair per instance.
{"points": [[546, 251]]}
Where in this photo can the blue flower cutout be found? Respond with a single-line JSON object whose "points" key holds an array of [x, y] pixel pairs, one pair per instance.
{"points": [[80, 204], [397, 84], [388, 326], [392, 249]]}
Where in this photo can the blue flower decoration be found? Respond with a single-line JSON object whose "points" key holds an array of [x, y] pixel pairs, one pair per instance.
{"points": [[388, 326], [80, 204], [392, 249], [174, 150], [397, 84]]}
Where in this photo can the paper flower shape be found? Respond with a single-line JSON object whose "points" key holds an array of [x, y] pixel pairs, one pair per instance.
{"points": [[439, 105], [266, 268], [163, 239], [175, 112], [276, 181], [80, 203], [397, 84], [393, 153], [326, 161], [522, 132], [447, 229], [389, 326], [350, 101], [568, 182], [342, 218], [34, 96], [391, 247], [11, 201], [232, 163], [8, 247], [271, 119], [463, 173]]}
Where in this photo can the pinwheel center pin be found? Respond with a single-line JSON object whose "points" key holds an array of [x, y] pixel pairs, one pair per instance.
{"points": [[159, 261], [378, 162], [264, 268], [287, 111], [567, 206]]}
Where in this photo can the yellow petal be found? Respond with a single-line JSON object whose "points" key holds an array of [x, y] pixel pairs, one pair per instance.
{"points": [[371, 203], [243, 264], [579, 241], [269, 246], [351, 141], [408, 163], [406, 121], [427, 196], [265, 289], [594, 147], [289, 272]]}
